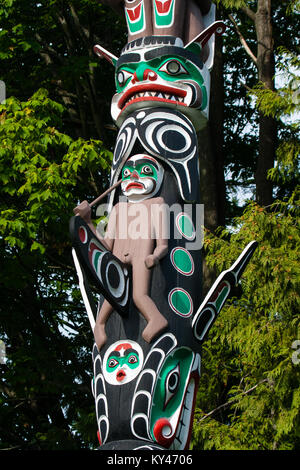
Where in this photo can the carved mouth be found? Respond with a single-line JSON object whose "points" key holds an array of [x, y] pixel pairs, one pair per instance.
{"points": [[121, 375], [152, 92], [134, 185], [184, 424]]}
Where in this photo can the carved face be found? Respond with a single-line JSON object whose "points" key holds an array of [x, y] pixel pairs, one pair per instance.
{"points": [[141, 177], [163, 76], [173, 399], [122, 362]]}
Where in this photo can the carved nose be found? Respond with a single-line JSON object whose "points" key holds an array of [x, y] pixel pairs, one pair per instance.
{"points": [[163, 432], [134, 175], [147, 74]]}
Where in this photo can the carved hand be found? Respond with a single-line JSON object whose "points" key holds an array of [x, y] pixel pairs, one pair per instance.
{"points": [[84, 211], [151, 261]]}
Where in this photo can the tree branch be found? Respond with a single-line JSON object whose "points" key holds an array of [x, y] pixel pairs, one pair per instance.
{"points": [[48, 48], [230, 402], [83, 32], [250, 13], [243, 40]]}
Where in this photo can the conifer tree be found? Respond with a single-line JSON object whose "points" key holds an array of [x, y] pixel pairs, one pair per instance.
{"points": [[249, 395]]}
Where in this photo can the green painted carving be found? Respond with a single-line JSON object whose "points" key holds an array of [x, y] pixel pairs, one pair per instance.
{"points": [[181, 302], [135, 19], [173, 70], [182, 261], [164, 19], [171, 393]]}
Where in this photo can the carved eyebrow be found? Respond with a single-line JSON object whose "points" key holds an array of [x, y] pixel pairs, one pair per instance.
{"points": [[173, 50], [128, 58], [130, 351], [142, 161], [146, 162], [114, 354], [128, 164]]}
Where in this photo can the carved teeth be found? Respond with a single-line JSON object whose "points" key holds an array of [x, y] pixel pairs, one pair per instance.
{"points": [[158, 94]]}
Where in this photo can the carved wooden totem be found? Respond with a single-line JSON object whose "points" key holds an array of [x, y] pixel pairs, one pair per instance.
{"points": [[151, 319]]}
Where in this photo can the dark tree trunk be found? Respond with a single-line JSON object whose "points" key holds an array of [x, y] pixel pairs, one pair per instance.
{"points": [[211, 140], [267, 125], [217, 129]]}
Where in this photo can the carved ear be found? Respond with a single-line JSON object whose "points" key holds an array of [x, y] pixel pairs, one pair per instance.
{"points": [[103, 53], [207, 36], [218, 27]]}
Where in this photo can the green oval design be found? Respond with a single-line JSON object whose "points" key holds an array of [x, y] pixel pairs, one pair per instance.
{"points": [[185, 226], [181, 302], [182, 261]]}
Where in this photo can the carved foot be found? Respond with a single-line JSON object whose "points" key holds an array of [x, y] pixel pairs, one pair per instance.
{"points": [[155, 326]]}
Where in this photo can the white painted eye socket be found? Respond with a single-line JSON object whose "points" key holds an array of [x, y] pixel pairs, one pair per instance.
{"points": [[123, 76], [112, 363], [147, 170], [133, 360], [173, 67], [126, 172], [171, 384]]}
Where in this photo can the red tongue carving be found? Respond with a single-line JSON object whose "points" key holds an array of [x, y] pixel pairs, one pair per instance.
{"points": [[121, 375]]}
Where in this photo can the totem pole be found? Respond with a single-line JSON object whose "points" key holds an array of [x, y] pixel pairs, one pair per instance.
{"points": [[151, 320]]}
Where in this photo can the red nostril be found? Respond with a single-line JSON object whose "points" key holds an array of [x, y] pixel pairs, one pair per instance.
{"points": [[134, 78], [163, 432], [150, 75]]}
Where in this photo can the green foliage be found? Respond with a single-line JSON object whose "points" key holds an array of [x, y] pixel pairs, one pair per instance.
{"points": [[232, 3], [249, 391], [50, 45], [45, 393], [39, 168]]}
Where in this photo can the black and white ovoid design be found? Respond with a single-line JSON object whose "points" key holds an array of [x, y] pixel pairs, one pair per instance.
{"points": [[106, 271], [167, 135]]}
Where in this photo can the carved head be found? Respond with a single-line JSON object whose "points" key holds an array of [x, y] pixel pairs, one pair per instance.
{"points": [[142, 176], [152, 73], [159, 71], [122, 362]]}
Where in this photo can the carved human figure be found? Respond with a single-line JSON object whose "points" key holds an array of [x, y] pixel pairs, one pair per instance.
{"points": [[137, 235]]}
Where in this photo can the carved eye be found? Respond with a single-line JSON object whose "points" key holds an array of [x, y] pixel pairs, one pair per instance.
{"points": [[126, 173], [123, 76], [133, 359], [147, 170], [112, 363], [171, 384], [173, 67]]}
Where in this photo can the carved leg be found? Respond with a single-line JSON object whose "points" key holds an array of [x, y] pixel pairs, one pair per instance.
{"points": [[140, 281]]}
